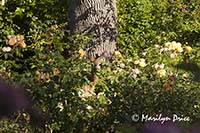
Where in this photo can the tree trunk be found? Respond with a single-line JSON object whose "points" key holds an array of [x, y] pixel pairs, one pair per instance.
{"points": [[96, 19]]}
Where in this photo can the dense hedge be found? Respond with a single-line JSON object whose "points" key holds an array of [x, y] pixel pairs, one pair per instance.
{"points": [[156, 69], [146, 22]]}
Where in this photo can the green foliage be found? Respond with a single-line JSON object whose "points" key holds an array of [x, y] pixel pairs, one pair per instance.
{"points": [[147, 22], [54, 74]]}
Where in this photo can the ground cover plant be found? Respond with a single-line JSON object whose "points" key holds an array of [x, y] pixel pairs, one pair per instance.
{"points": [[156, 69]]}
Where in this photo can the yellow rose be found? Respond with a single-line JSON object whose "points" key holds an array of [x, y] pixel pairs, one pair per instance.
{"points": [[81, 53], [167, 44], [142, 64], [118, 54], [175, 46], [173, 55], [157, 66], [178, 44], [136, 62], [179, 49], [142, 60], [161, 72], [188, 49]]}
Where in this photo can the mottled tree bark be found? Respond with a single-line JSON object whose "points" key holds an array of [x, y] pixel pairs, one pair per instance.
{"points": [[97, 18]]}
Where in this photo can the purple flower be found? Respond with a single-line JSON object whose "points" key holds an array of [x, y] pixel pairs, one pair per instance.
{"points": [[168, 127], [195, 128], [11, 99]]}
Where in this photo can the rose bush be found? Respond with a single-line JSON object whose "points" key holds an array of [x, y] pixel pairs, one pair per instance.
{"points": [[155, 70]]}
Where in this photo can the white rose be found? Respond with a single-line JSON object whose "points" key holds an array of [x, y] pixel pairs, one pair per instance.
{"points": [[6, 49]]}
